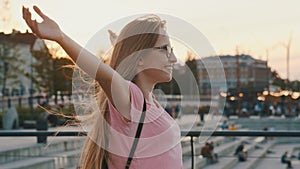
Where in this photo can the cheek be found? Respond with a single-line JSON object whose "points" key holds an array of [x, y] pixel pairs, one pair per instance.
{"points": [[153, 63], [155, 58], [159, 75], [156, 70]]}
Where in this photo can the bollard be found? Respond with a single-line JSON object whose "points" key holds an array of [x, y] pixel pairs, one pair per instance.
{"points": [[42, 125], [20, 101]]}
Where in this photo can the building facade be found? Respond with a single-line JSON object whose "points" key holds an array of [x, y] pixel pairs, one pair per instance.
{"points": [[16, 53], [242, 70]]}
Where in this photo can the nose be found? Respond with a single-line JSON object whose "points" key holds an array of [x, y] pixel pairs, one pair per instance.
{"points": [[172, 57]]}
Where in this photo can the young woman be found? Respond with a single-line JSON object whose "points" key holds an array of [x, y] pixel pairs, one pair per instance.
{"points": [[141, 58]]}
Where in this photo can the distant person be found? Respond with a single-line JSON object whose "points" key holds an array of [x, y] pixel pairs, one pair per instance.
{"points": [[224, 125], [286, 160], [272, 109], [207, 153], [42, 123], [278, 110], [297, 109], [241, 153], [201, 114], [178, 111], [205, 150], [244, 112], [226, 111], [266, 129], [258, 108], [173, 113], [271, 129], [212, 152], [232, 127], [168, 109]]}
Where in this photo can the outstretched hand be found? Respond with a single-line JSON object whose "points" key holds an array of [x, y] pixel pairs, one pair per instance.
{"points": [[47, 29]]}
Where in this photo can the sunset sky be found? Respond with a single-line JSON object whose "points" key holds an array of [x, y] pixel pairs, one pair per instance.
{"points": [[254, 26]]}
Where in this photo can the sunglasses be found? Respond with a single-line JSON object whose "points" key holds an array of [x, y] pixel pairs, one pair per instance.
{"points": [[168, 49]]}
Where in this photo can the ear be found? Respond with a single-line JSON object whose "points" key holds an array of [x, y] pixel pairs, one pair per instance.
{"points": [[140, 61], [113, 37]]}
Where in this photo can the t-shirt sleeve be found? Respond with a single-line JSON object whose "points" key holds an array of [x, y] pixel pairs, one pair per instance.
{"points": [[136, 99]]}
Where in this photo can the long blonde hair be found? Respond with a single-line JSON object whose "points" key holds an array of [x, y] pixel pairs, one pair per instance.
{"points": [[139, 34]]}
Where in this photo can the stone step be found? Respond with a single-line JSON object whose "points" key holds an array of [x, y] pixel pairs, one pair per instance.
{"points": [[227, 159], [186, 146], [255, 156], [230, 161], [67, 159], [222, 150], [22, 153], [225, 162], [58, 160], [272, 159], [36, 163]]}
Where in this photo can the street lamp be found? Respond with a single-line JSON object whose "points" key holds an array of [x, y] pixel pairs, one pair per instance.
{"points": [[2, 94], [3, 53], [284, 94], [295, 95], [31, 88], [35, 50]]}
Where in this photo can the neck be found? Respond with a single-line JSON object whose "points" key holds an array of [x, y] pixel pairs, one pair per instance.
{"points": [[146, 87]]}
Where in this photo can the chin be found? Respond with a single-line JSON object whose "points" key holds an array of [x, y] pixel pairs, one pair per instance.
{"points": [[169, 79], [161, 76], [165, 79]]}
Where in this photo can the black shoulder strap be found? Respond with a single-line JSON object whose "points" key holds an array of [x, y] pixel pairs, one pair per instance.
{"points": [[137, 136]]}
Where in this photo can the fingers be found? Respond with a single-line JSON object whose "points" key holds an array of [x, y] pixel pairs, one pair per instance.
{"points": [[26, 13], [35, 28], [39, 12], [23, 12], [27, 16], [31, 23]]}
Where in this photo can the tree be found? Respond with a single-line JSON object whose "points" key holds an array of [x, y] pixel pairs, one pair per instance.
{"points": [[277, 80], [42, 74], [10, 65], [50, 75], [172, 86], [295, 85], [63, 72], [191, 62]]}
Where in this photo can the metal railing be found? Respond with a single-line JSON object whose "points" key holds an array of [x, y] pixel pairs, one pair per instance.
{"points": [[190, 134]]}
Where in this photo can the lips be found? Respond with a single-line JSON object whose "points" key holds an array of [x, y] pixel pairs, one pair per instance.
{"points": [[169, 67]]}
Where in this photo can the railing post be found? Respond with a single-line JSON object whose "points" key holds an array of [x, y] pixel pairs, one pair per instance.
{"points": [[192, 151]]}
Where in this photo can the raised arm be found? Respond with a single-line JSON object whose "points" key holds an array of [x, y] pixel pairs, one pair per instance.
{"points": [[104, 74]]}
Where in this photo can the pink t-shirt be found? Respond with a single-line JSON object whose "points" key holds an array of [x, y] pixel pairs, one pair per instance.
{"points": [[159, 144]]}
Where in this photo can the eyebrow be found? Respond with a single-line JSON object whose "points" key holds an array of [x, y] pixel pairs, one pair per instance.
{"points": [[165, 45]]}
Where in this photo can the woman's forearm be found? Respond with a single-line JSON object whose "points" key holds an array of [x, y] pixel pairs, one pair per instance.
{"points": [[87, 61]]}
